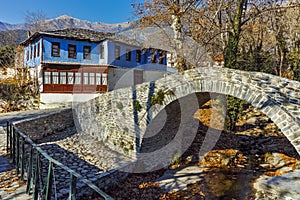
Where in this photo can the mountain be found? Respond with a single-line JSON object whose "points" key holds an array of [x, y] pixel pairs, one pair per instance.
{"points": [[12, 37], [13, 34], [7, 27], [65, 21]]}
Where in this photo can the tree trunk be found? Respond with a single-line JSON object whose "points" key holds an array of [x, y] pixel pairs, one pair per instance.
{"points": [[178, 40], [231, 49]]}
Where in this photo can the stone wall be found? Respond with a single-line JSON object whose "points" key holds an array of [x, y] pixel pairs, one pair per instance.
{"points": [[111, 118], [45, 125]]}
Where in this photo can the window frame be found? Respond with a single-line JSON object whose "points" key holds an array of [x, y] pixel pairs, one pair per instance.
{"points": [[128, 54], [138, 56], [27, 54], [87, 55], [34, 51], [38, 49], [53, 53], [102, 51], [62, 78], [117, 52], [31, 52], [72, 82], [55, 76], [92, 78], [77, 78], [104, 79], [154, 57], [72, 53], [161, 57], [85, 78], [47, 77]]}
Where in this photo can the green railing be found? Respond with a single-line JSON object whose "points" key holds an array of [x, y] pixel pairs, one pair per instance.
{"points": [[28, 157]]}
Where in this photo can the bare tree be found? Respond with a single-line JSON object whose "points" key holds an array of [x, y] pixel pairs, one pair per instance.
{"points": [[35, 21], [170, 13]]}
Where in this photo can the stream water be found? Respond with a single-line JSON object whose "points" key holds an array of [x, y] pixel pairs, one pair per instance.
{"points": [[227, 184]]}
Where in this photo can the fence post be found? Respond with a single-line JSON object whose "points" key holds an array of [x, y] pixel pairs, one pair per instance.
{"points": [[72, 193], [7, 137], [11, 139], [49, 182], [29, 172], [13, 145], [23, 158], [36, 178], [18, 152]]}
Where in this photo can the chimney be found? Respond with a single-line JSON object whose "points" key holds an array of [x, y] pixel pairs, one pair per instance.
{"points": [[28, 34]]}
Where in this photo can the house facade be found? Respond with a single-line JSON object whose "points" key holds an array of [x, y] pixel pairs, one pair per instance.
{"points": [[80, 61]]}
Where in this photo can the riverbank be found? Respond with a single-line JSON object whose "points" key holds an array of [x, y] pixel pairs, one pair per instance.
{"points": [[255, 151]]}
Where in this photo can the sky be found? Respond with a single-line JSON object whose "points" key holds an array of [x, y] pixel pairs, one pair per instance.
{"points": [[107, 11]]}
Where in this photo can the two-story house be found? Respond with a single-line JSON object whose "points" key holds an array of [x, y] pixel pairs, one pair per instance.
{"points": [[82, 61]]}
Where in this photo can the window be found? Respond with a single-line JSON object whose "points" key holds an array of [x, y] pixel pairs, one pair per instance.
{"points": [[138, 55], [153, 57], [92, 79], [54, 77], [104, 79], [77, 78], [27, 55], [71, 51], [128, 54], [98, 79], [161, 58], [85, 78], [38, 49], [47, 77], [102, 51], [31, 53], [34, 50], [63, 77], [70, 78], [86, 52], [117, 52], [55, 51]]}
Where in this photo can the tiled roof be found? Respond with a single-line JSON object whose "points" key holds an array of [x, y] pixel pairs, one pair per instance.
{"points": [[83, 34]]}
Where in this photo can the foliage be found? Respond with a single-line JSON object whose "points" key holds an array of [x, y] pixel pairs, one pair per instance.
{"points": [[19, 96], [251, 34], [137, 106], [176, 159], [256, 60], [171, 13], [7, 56], [294, 62], [158, 98], [234, 110], [120, 105]]}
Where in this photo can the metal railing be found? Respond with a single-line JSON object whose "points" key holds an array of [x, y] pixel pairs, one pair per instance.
{"points": [[28, 157]]}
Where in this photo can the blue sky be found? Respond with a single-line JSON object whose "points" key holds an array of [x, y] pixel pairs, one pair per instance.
{"points": [[107, 11]]}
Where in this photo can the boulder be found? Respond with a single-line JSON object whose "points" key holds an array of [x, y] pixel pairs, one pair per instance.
{"points": [[286, 186]]}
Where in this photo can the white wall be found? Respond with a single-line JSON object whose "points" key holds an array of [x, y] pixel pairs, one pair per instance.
{"points": [[119, 78], [59, 98], [124, 77]]}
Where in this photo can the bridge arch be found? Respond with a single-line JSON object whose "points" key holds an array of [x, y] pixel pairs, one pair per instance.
{"points": [[113, 117]]}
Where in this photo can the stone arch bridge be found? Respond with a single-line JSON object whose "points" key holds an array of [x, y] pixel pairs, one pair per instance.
{"points": [[120, 118]]}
